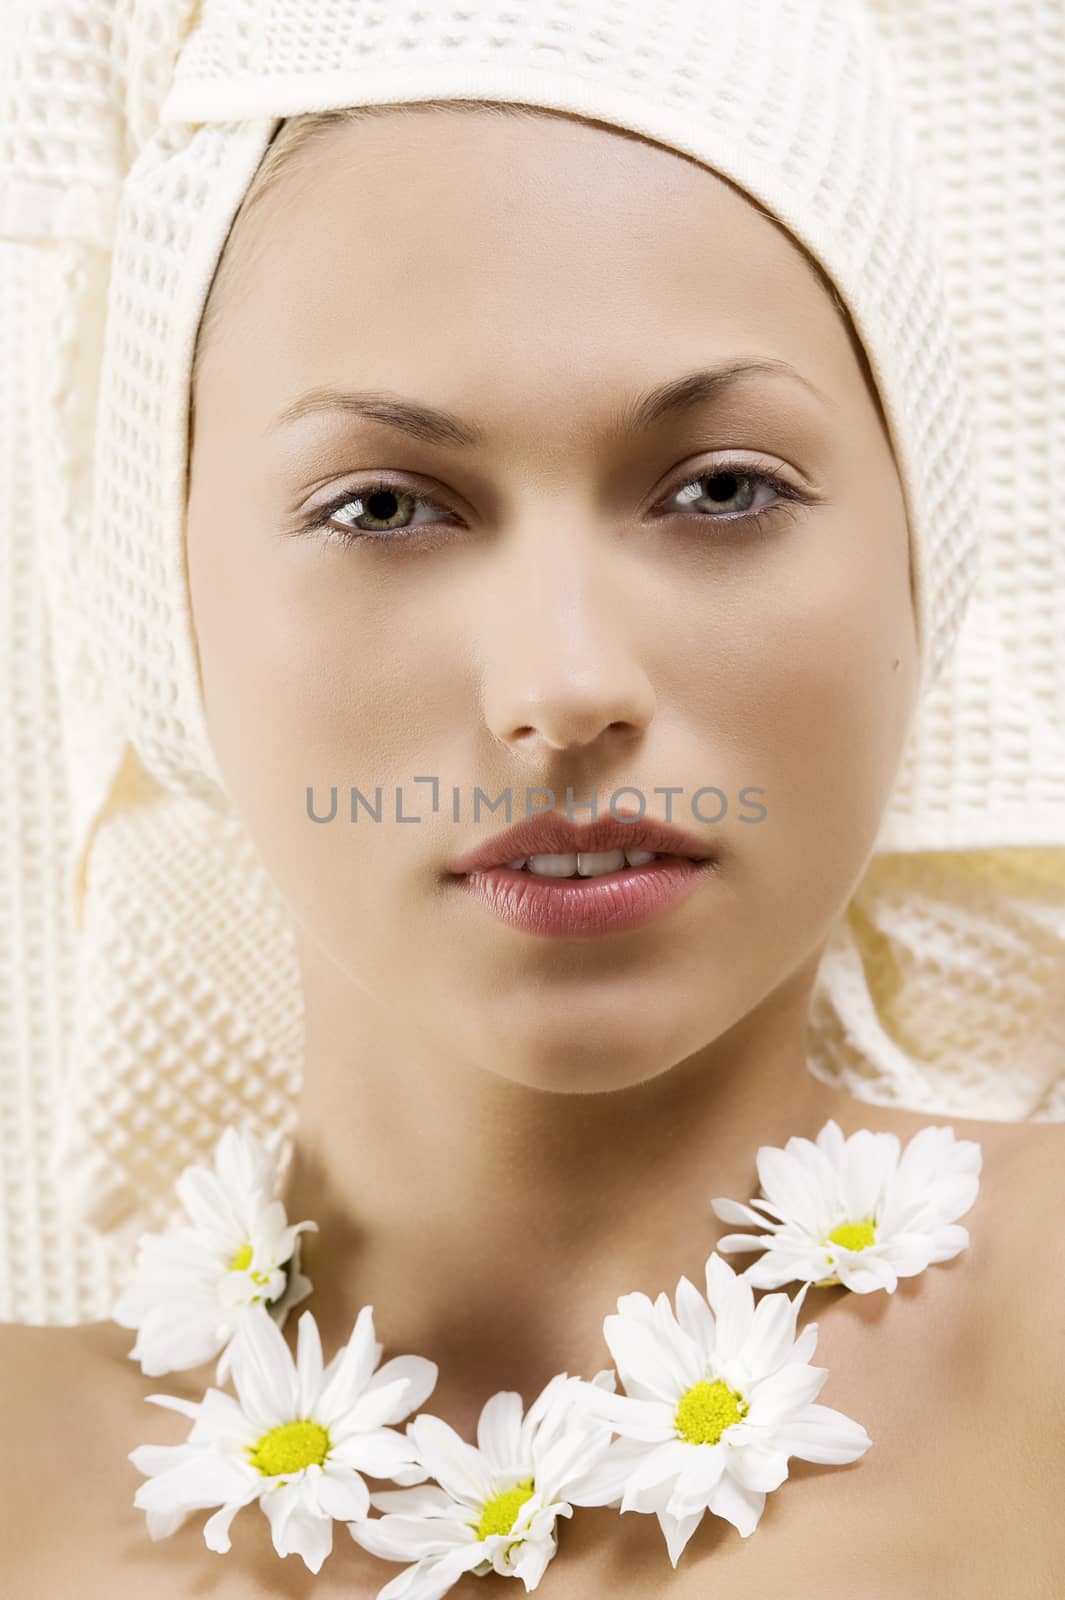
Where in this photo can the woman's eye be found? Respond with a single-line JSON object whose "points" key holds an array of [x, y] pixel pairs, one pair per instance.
{"points": [[386, 510], [375, 511], [731, 495]]}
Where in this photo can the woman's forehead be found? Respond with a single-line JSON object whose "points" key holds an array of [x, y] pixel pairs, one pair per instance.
{"points": [[536, 243]]}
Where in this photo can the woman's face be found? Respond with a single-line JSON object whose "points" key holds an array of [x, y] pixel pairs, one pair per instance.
{"points": [[541, 604]]}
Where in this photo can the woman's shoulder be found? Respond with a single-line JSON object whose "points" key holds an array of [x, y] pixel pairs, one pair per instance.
{"points": [[66, 1394], [1019, 1159], [1022, 1191], [1017, 1245], [44, 1364]]}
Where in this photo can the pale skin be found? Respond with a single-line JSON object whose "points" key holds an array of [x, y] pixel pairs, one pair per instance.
{"points": [[499, 1134]]}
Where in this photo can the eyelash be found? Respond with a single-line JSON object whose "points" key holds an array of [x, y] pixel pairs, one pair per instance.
{"points": [[351, 536]]}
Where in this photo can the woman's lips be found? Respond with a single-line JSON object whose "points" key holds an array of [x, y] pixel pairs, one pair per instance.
{"points": [[574, 906]]}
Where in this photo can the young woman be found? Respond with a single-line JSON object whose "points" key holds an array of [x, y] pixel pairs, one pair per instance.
{"points": [[658, 541], [532, 458]]}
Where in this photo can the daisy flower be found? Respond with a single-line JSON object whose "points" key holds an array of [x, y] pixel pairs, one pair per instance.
{"points": [[717, 1397], [852, 1211], [297, 1438], [494, 1506], [191, 1284]]}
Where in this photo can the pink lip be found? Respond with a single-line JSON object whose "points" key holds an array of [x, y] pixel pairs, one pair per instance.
{"points": [[575, 906]]}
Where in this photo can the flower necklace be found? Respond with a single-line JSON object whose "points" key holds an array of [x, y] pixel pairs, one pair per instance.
{"points": [[717, 1393]]}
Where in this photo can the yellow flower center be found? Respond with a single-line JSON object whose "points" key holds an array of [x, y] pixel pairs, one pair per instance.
{"points": [[241, 1259], [499, 1513], [707, 1410], [289, 1447], [854, 1235]]}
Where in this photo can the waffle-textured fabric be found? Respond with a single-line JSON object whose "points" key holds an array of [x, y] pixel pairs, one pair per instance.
{"points": [[151, 994]]}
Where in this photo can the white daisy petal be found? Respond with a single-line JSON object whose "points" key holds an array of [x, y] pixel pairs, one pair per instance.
{"points": [[375, 1407], [731, 1299], [945, 1244], [820, 1434], [456, 1465], [637, 1307], [910, 1253], [396, 1537], [783, 1392], [191, 1283], [658, 1465], [266, 1391], [823, 1173], [731, 1243], [154, 1459], [495, 1504], [426, 1500], [192, 1484], [778, 1267], [869, 1160], [857, 1211], [161, 1524], [557, 1433], [732, 1211], [647, 1364], [343, 1495], [758, 1469], [308, 1363], [533, 1562], [678, 1530], [432, 1579], [348, 1373], [297, 1529], [205, 1201], [772, 1333], [785, 1183], [696, 1318], [650, 1420], [566, 1445], [700, 1474], [742, 1507], [216, 1528], [604, 1483], [805, 1344], [831, 1141], [272, 1443], [381, 1452], [723, 1444], [420, 1375], [171, 1340], [864, 1273]]}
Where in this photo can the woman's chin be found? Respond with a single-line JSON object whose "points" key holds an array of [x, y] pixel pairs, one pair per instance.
{"points": [[587, 1059]]}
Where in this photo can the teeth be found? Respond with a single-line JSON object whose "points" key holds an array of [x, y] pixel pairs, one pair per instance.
{"points": [[591, 864], [553, 866], [584, 864]]}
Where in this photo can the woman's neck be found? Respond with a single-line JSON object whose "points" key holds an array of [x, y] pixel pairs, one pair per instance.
{"points": [[491, 1225]]}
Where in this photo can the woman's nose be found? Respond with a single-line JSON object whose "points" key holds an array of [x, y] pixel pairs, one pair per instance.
{"points": [[566, 668]]}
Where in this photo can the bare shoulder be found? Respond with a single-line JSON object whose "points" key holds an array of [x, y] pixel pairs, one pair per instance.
{"points": [[1023, 1162], [58, 1385], [1017, 1245], [47, 1364], [1021, 1184], [1022, 1191]]}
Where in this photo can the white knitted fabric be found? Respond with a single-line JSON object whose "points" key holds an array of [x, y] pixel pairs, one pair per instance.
{"points": [[152, 994]]}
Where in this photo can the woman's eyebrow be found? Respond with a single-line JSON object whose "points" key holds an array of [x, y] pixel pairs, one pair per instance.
{"points": [[432, 425]]}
